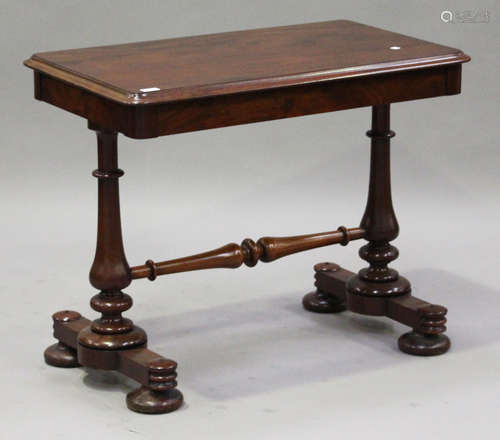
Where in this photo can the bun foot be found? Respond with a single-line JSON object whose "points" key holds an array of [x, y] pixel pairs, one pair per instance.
{"points": [[60, 355], [147, 401], [424, 345], [320, 302]]}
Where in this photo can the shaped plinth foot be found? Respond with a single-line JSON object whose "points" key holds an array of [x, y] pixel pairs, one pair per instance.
{"points": [[60, 355], [330, 294], [427, 338], [160, 395]]}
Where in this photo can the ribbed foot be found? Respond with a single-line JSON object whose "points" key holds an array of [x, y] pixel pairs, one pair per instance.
{"points": [[147, 401], [424, 345], [320, 302], [60, 355]]}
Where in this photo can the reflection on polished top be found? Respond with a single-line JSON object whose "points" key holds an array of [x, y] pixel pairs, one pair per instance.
{"points": [[232, 62]]}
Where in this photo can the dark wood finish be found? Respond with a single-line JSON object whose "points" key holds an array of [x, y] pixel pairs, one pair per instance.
{"points": [[427, 320], [110, 272], [113, 342], [244, 61], [228, 79], [420, 344], [156, 375], [246, 77], [333, 300], [232, 255], [60, 355], [379, 290], [148, 401], [148, 121], [379, 222], [160, 395]]}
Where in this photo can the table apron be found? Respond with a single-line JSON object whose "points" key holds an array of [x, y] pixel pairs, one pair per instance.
{"points": [[153, 120]]}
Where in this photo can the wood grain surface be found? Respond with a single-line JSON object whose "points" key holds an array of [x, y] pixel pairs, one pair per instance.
{"points": [[260, 59]]}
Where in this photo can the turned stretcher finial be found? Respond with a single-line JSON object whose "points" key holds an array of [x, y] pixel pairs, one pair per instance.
{"points": [[232, 255]]}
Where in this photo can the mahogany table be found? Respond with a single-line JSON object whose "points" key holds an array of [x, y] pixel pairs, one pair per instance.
{"points": [[157, 88]]}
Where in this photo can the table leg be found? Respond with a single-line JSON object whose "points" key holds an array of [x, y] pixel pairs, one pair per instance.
{"points": [[106, 342], [379, 290]]}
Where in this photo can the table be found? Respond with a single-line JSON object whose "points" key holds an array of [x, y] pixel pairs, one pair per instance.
{"points": [[156, 88]]}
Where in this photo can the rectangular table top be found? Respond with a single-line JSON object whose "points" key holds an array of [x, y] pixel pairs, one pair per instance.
{"points": [[162, 71]]}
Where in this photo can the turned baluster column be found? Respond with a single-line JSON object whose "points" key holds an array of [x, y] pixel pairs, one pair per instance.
{"points": [[381, 226], [110, 272]]}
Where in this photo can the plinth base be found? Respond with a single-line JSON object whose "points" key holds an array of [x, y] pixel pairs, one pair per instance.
{"points": [[427, 320], [151, 370]]}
